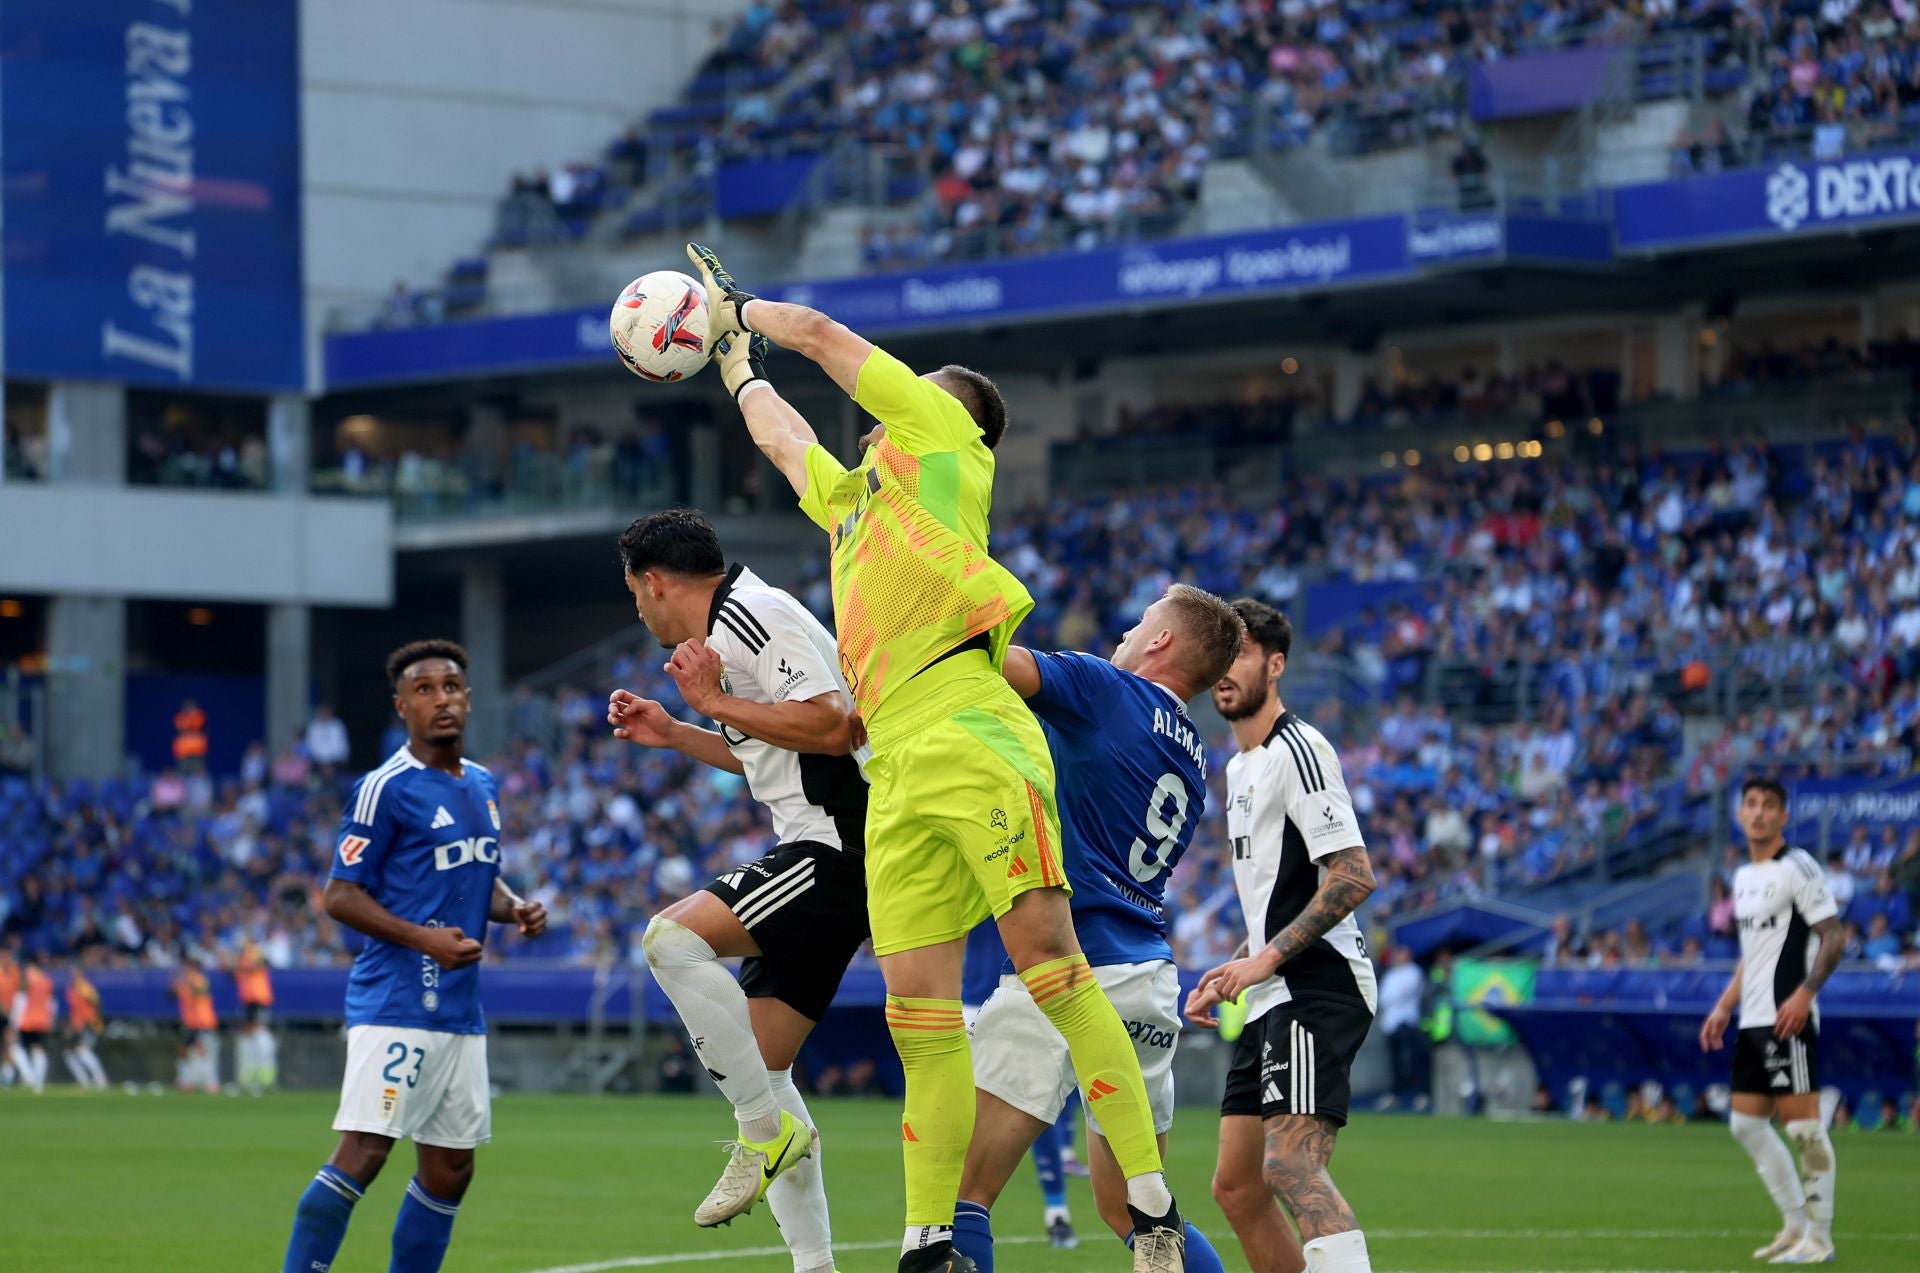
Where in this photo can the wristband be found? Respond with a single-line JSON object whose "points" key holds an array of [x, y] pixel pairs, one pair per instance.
{"points": [[749, 387]]}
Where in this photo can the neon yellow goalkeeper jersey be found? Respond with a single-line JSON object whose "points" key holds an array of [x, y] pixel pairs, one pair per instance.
{"points": [[911, 574]]}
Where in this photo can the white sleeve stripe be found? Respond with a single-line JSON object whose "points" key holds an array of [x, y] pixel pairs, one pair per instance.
{"points": [[375, 783]]}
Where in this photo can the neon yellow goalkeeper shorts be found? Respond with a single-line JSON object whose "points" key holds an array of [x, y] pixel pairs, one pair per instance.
{"points": [[961, 817]]}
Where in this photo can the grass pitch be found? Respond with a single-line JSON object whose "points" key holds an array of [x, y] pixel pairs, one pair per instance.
{"points": [[117, 1182]]}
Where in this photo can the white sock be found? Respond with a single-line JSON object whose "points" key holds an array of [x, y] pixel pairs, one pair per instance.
{"points": [[1817, 1169], [714, 1010], [269, 1059], [37, 1057], [1338, 1253], [1148, 1194], [799, 1196], [1775, 1165], [925, 1235], [1057, 1213], [22, 1067], [90, 1062]]}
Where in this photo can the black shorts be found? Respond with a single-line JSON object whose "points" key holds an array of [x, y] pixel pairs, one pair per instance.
{"points": [[806, 905], [255, 1013], [1298, 1059], [33, 1038], [1764, 1066]]}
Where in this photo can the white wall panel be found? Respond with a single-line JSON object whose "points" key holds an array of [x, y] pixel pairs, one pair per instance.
{"points": [[196, 546]]}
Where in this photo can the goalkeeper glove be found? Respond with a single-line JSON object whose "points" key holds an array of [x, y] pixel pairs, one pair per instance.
{"points": [[725, 299], [743, 359]]}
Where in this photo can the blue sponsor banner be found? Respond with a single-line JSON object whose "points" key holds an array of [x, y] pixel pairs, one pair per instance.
{"points": [[1295, 259], [521, 342], [152, 191], [1792, 198], [1560, 240], [1434, 238], [1539, 83], [1845, 803]]}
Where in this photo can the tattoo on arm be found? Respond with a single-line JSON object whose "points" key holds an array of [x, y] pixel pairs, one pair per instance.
{"points": [[1832, 950], [1348, 881]]}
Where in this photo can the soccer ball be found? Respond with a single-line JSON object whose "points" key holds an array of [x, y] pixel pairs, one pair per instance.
{"points": [[659, 326]]}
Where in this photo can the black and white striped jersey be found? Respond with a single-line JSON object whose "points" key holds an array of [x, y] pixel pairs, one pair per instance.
{"points": [[774, 651], [1776, 903], [1287, 807]]}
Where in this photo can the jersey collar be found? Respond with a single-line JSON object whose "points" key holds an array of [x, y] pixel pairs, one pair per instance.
{"points": [[721, 594], [1286, 718]]}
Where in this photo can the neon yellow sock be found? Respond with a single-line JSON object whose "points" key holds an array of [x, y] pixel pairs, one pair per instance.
{"points": [[931, 1037], [1103, 1058]]}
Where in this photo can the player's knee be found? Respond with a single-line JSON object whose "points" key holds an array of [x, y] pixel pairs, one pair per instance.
{"points": [[1816, 1151], [1238, 1194], [671, 945], [1283, 1173], [361, 1155], [448, 1176]]}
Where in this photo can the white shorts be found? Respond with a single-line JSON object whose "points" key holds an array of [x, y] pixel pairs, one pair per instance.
{"points": [[1021, 1058], [426, 1085]]}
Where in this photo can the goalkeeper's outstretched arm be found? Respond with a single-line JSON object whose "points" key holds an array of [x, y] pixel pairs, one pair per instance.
{"points": [[839, 350], [781, 432]]}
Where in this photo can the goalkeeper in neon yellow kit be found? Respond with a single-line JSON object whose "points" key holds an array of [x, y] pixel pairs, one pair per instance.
{"points": [[961, 821]]}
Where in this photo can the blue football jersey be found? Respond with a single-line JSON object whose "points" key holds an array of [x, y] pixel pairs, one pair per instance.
{"points": [[1131, 783], [426, 845], [986, 961]]}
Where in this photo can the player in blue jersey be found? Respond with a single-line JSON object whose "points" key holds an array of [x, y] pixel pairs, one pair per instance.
{"points": [[1132, 785], [416, 869]]}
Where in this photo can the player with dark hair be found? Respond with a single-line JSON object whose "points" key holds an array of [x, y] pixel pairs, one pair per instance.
{"points": [[756, 662], [1133, 786], [924, 617], [1790, 944], [416, 868], [1301, 869]]}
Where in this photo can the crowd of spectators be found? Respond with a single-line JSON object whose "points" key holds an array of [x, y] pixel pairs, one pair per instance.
{"points": [[1038, 124], [223, 459], [1624, 592], [451, 473]]}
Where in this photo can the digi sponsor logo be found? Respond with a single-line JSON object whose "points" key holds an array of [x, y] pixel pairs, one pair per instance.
{"points": [[475, 848], [351, 849]]}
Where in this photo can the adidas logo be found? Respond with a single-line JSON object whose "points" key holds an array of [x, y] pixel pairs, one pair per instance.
{"points": [[441, 818], [1018, 869], [1100, 1088], [1272, 1095]]}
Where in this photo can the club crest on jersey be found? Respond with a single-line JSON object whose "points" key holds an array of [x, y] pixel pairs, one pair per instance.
{"points": [[493, 811], [351, 849], [997, 819]]}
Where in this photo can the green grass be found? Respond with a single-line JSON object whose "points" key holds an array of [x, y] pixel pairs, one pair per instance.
{"points": [[118, 1182]]}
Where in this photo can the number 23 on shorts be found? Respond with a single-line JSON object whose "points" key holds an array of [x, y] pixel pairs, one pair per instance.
{"points": [[398, 1070]]}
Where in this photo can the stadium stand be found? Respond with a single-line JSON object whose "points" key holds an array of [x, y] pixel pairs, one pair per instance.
{"points": [[1511, 656]]}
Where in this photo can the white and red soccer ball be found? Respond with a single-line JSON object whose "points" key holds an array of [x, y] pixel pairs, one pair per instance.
{"points": [[659, 326]]}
